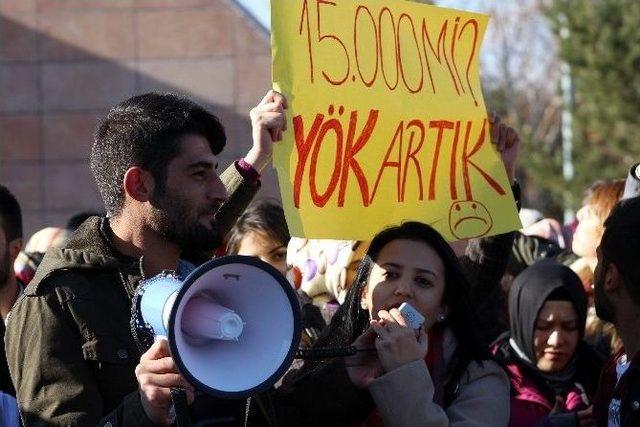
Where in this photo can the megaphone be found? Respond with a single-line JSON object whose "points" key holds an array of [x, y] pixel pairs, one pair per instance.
{"points": [[233, 325]]}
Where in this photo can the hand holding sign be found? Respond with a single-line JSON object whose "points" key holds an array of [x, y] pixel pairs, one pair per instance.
{"points": [[268, 121], [507, 142]]}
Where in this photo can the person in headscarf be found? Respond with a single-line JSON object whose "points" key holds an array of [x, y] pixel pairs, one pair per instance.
{"points": [[553, 372], [437, 375]]}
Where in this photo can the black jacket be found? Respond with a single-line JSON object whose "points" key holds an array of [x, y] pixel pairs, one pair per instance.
{"points": [[69, 345]]}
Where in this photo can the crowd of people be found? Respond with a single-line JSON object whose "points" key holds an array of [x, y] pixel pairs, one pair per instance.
{"points": [[536, 327]]}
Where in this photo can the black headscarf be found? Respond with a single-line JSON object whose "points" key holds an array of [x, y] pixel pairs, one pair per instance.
{"points": [[528, 293], [531, 289]]}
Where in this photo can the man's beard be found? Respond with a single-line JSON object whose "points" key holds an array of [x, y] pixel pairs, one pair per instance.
{"points": [[177, 222]]}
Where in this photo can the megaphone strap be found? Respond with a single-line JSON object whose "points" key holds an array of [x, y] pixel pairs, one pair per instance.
{"points": [[141, 332], [328, 352], [267, 413], [180, 407]]}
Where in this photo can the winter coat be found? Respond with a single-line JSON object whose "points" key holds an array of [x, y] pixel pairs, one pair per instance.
{"points": [[69, 345], [403, 397]]}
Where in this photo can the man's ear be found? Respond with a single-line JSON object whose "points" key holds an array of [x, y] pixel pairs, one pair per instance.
{"points": [[612, 278], [138, 184]]}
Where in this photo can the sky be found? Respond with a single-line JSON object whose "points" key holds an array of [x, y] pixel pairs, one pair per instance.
{"points": [[528, 39], [260, 9]]}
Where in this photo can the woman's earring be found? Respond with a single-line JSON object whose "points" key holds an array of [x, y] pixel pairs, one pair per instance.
{"points": [[441, 318]]}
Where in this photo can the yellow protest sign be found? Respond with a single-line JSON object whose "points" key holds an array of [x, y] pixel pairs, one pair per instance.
{"points": [[386, 120]]}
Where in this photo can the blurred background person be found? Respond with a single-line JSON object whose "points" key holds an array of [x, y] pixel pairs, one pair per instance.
{"points": [[29, 259], [10, 290], [10, 247], [261, 231], [597, 204]]}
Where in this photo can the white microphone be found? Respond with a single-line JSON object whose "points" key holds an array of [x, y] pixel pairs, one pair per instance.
{"points": [[411, 315]]}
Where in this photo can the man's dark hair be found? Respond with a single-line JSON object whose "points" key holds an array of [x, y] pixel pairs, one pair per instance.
{"points": [[262, 216], [620, 244], [146, 131], [10, 215]]}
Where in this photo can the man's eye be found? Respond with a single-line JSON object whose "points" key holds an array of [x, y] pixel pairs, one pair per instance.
{"points": [[200, 175], [542, 326]]}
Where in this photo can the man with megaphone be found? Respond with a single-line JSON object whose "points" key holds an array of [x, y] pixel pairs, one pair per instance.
{"points": [[69, 344]]}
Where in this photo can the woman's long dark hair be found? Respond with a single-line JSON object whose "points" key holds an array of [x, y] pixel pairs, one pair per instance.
{"points": [[351, 320]]}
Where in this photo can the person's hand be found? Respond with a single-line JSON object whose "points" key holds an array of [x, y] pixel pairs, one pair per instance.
{"points": [[364, 366], [157, 374], [585, 417], [507, 142], [268, 121], [397, 343]]}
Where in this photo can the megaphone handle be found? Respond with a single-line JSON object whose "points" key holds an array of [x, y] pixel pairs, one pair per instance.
{"points": [[180, 406]]}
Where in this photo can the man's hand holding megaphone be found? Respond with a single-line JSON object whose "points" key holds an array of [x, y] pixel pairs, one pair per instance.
{"points": [[157, 374]]}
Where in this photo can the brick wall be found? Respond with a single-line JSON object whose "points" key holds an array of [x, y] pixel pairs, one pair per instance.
{"points": [[63, 63]]}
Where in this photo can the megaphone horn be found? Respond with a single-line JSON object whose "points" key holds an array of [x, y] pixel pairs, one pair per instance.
{"points": [[233, 325]]}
